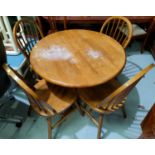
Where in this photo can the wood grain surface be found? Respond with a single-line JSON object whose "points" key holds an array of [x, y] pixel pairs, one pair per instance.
{"points": [[77, 58]]}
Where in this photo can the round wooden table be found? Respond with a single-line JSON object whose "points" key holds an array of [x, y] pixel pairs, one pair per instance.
{"points": [[77, 58]]}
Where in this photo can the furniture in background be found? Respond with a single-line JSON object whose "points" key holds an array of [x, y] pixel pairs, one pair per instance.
{"points": [[48, 24], [53, 24], [77, 58], [101, 19], [140, 24], [119, 28], [149, 41], [43, 24], [148, 125], [108, 97], [7, 36], [138, 32], [92, 22], [46, 100]]}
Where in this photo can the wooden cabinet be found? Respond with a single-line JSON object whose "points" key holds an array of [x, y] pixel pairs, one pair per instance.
{"points": [[87, 22], [149, 42], [148, 124]]}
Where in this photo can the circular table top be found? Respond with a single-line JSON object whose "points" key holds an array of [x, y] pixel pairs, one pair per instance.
{"points": [[77, 58]]}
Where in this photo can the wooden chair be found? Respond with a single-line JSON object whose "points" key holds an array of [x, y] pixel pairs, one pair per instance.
{"points": [[46, 100], [26, 34], [108, 97], [119, 28], [149, 39]]}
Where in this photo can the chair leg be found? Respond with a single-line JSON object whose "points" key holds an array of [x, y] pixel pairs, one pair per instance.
{"points": [[124, 112], [29, 111], [83, 106], [79, 107], [49, 122], [100, 121]]}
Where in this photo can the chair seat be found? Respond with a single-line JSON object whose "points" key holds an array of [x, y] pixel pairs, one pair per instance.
{"points": [[59, 98], [137, 30], [95, 95]]}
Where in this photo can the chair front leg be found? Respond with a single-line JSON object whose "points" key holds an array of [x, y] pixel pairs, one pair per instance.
{"points": [[29, 111], [124, 112], [100, 122], [49, 123]]}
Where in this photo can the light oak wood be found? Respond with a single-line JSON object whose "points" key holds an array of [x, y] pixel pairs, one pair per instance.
{"points": [[77, 58], [119, 28], [46, 99], [110, 96], [100, 120], [26, 34], [49, 123]]}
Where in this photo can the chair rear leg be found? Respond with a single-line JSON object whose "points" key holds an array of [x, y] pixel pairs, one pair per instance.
{"points": [[78, 105], [124, 112], [100, 121], [49, 123], [29, 111]]}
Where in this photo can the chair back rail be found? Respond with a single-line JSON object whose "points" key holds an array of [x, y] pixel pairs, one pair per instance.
{"points": [[119, 28], [113, 101]]}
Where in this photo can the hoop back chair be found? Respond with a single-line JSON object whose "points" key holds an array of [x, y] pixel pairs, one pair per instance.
{"points": [[109, 97], [119, 28], [26, 34], [46, 102]]}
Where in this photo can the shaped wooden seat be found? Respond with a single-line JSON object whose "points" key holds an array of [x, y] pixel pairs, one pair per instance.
{"points": [[46, 99], [60, 98], [108, 97]]}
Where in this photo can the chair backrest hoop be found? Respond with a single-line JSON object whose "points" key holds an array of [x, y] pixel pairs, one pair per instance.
{"points": [[114, 28], [19, 25], [18, 80], [125, 88], [29, 91]]}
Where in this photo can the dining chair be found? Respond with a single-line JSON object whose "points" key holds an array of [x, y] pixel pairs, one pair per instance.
{"points": [[46, 99], [107, 98], [26, 34], [119, 28]]}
